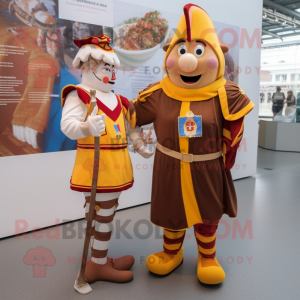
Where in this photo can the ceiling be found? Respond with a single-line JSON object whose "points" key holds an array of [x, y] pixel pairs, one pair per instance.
{"points": [[280, 23]]}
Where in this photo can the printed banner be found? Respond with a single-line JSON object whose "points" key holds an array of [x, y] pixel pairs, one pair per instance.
{"points": [[87, 11]]}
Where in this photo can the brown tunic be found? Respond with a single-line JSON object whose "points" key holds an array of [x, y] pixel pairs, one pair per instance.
{"points": [[213, 187]]}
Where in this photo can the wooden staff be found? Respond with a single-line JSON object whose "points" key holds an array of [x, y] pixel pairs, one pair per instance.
{"points": [[81, 286]]}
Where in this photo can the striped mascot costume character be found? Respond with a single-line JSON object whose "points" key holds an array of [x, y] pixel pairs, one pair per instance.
{"points": [[97, 60]]}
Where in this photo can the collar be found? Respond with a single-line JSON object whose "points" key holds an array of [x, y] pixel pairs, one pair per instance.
{"points": [[188, 95], [108, 99], [112, 110]]}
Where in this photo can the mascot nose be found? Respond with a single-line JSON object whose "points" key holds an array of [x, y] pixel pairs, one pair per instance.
{"points": [[113, 76], [188, 62]]}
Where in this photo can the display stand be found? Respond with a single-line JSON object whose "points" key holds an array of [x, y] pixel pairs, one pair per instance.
{"points": [[279, 136]]}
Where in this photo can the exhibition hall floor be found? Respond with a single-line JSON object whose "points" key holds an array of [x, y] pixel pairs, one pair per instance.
{"points": [[263, 266]]}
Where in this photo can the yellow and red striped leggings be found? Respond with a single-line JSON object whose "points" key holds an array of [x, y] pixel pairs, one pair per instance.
{"points": [[205, 236]]}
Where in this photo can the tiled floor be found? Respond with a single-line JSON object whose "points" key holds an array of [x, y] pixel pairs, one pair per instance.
{"points": [[263, 266]]}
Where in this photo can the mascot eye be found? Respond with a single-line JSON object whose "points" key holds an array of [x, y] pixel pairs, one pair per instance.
{"points": [[182, 50], [199, 50]]}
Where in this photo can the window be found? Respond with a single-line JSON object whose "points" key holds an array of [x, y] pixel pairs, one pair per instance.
{"points": [[281, 78], [271, 78], [293, 77]]}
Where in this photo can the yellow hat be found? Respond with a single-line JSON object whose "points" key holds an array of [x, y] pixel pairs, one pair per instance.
{"points": [[196, 24]]}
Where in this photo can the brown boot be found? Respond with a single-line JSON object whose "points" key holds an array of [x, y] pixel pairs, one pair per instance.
{"points": [[122, 262], [106, 272]]}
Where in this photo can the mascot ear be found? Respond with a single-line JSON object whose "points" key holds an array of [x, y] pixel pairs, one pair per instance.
{"points": [[224, 48], [166, 46]]}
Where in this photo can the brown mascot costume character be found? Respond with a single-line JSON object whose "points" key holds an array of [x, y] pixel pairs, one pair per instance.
{"points": [[198, 118]]}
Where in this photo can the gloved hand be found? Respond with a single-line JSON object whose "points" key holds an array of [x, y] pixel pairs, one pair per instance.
{"points": [[96, 122], [26, 134], [139, 144], [145, 152]]}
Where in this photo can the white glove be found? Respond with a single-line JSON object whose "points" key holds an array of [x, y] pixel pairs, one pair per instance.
{"points": [[139, 144], [26, 135], [96, 122]]}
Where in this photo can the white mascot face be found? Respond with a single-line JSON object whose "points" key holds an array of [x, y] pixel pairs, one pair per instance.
{"points": [[102, 78]]}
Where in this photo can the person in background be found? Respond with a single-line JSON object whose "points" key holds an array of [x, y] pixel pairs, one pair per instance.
{"points": [[290, 100], [262, 97], [278, 101]]}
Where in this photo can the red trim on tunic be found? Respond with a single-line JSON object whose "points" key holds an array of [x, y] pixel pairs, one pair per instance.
{"points": [[78, 188], [109, 145], [112, 114], [102, 147]]}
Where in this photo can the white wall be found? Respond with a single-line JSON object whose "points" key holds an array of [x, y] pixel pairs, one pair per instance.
{"points": [[36, 187]]}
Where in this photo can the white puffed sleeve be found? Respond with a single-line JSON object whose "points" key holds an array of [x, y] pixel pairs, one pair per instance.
{"points": [[73, 116]]}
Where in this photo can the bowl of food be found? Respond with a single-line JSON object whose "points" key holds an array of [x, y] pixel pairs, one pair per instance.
{"points": [[137, 41]]}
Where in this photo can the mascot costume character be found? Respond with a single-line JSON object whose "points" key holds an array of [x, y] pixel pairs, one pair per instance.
{"points": [[198, 118], [84, 121]]}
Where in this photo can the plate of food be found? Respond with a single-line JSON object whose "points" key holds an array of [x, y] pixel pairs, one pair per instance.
{"points": [[138, 39]]}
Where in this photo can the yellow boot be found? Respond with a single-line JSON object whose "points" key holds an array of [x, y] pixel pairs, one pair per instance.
{"points": [[162, 263], [209, 270]]}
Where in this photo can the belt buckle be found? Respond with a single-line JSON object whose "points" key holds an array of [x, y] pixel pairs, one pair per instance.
{"points": [[191, 156]]}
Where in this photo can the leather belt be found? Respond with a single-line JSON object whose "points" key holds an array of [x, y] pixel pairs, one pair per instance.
{"points": [[186, 157]]}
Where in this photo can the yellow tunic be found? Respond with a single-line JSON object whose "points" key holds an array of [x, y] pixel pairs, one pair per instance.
{"points": [[115, 168]]}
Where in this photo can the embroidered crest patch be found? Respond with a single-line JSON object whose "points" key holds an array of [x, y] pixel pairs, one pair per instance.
{"points": [[190, 125]]}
